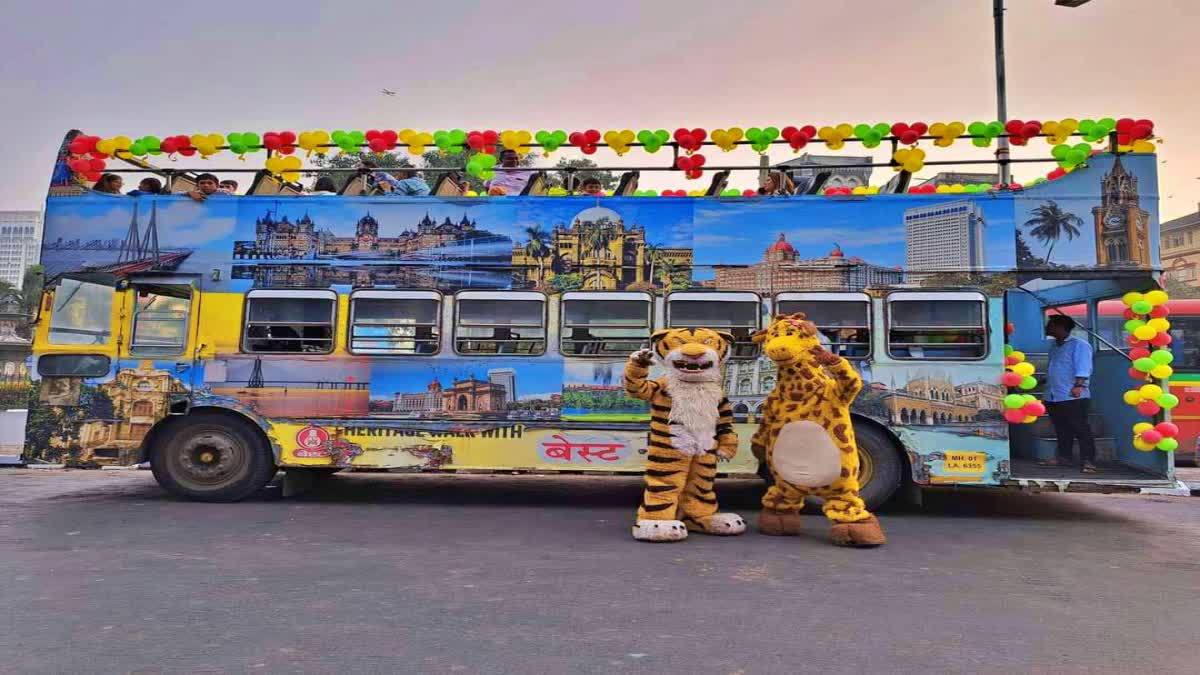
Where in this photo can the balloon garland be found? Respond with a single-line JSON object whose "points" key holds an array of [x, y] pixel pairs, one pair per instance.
{"points": [[1147, 325], [1132, 135], [1019, 374]]}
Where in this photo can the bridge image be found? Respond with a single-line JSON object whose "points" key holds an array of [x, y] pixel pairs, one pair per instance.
{"points": [[138, 252]]}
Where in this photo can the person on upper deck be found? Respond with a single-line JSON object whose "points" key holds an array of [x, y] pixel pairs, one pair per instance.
{"points": [[591, 187], [207, 186], [324, 186], [109, 184], [227, 186], [405, 182], [509, 182], [777, 184], [148, 186]]}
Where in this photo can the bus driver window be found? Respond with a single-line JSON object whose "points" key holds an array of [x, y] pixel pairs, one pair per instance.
{"points": [[81, 314]]}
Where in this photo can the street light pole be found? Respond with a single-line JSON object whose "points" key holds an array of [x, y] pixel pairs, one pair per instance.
{"points": [[1001, 91]]}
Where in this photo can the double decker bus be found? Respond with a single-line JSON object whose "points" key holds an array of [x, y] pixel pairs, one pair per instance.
{"points": [[224, 337]]}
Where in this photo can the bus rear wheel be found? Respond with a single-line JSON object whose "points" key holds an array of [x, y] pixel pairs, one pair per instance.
{"points": [[212, 457], [880, 468]]}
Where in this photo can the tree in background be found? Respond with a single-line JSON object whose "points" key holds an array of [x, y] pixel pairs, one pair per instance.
{"points": [[1050, 223], [31, 288], [385, 160], [579, 167]]}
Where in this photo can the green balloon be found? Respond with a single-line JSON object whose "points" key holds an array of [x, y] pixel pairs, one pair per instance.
{"points": [[1085, 126], [1014, 401], [977, 128], [1145, 365], [1162, 356], [1008, 350], [1168, 445], [1133, 324], [137, 148], [872, 139], [770, 134], [1060, 152], [237, 148], [981, 142], [1167, 401], [995, 129], [882, 128], [1141, 307], [1075, 157], [861, 130], [1028, 382], [358, 137]]}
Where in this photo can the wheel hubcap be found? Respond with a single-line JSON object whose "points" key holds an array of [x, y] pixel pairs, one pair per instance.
{"points": [[210, 458]]}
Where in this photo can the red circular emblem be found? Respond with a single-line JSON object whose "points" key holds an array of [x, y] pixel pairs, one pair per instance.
{"points": [[312, 438]]}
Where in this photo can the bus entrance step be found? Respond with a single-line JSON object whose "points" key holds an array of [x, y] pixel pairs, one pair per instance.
{"points": [[1045, 448]]}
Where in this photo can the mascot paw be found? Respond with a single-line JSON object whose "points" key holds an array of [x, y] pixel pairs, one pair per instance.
{"points": [[659, 530], [863, 534], [724, 524], [780, 523], [642, 357]]}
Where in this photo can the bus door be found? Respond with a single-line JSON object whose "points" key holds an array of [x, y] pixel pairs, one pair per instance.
{"points": [[157, 363], [75, 353]]}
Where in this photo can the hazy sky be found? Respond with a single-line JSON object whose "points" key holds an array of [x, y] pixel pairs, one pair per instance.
{"points": [[136, 68]]}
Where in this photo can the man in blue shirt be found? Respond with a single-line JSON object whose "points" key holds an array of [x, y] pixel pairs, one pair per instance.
{"points": [[406, 183], [1067, 393]]}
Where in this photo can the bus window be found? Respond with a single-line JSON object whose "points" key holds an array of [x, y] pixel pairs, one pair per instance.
{"points": [[500, 323], [160, 320], [605, 324], [395, 322], [936, 325], [288, 322], [843, 319], [738, 313], [81, 314], [1185, 345]]}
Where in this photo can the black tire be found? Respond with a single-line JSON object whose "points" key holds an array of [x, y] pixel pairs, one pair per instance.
{"points": [[212, 457], [887, 467]]}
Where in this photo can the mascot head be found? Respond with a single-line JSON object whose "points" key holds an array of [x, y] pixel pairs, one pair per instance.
{"points": [[692, 354], [789, 338]]}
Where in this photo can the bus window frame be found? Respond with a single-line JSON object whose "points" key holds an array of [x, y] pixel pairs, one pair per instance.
{"points": [[698, 296], [469, 294], [101, 281], [135, 286], [834, 296], [933, 296], [600, 296], [309, 293], [397, 294]]}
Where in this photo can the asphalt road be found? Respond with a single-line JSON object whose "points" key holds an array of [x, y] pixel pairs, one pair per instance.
{"points": [[102, 572]]}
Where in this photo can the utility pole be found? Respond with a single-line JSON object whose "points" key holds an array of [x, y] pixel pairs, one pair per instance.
{"points": [[1001, 91]]}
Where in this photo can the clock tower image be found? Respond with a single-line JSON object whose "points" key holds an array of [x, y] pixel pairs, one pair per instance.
{"points": [[1122, 227]]}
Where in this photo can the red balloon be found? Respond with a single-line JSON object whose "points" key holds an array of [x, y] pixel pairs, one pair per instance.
{"points": [[1009, 328], [287, 150], [169, 145], [96, 164], [1014, 415], [919, 127], [490, 136], [1011, 360], [1034, 408], [698, 161], [588, 149], [749, 193], [390, 136], [1151, 436], [1010, 379], [909, 137], [1160, 312], [1148, 408], [271, 141], [287, 137], [1013, 126], [1139, 353], [1132, 341], [80, 165], [187, 152], [697, 133], [371, 135], [1128, 314], [809, 130], [1124, 139], [1016, 186], [694, 174], [1125, 125], [1031, 129], [1167, 429], [1137, 374], [1056, 174], [788, 132], [1141, 131], [376, 144], [78, 146], [1161, 340], [93, 176], [98, 155], [684, 162], [798, 141], [679, 133], [475, 140], [899, 128]]}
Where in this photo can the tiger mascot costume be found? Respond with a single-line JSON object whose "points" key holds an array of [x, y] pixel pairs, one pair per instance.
{"points": [[806, 436], [691, 425]]}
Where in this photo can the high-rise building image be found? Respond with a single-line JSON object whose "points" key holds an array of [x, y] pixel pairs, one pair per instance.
{"points": [[20, 232], [507, 378], [944, 237]]}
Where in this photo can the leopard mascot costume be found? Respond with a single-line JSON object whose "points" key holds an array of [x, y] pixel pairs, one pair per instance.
{"points": [[806, 436], [691, 424]]}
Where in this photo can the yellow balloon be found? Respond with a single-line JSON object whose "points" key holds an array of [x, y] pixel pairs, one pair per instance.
{"points": [[1024, 369], [405, 135], [844, 130], [291, 162], [1133, 397], [942, 189], [291, 176], [1162, 372], [1150, 391], [1160, 325], [1018, 356], [1142, 426], [1145, 332], [123, 142], [275, 164], [1142, 445], [1029, 419], [859, 190], [872, 189], [1156, 298], [1132, 297], [1143, 146], [106, 146]]}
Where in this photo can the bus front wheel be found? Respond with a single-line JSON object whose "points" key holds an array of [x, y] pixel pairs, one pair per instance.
{"points": [[880, 467], [212, 457]]}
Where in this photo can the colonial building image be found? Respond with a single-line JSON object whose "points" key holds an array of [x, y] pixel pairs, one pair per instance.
{"points": [[472, 395], [1122, 226], [14, 347], [783, 270], [281, 237], [603, 250], [935, 400], [140, 397], [428, 401]]}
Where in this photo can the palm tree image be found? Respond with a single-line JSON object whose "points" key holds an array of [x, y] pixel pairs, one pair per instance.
{"points": [[653, 256], [538, 247], [1050, 223], [596, 240]]}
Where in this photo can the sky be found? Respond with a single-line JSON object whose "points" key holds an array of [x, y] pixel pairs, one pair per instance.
{"points": [[120, 68]]}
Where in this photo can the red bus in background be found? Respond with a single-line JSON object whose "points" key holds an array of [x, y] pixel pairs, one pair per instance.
{"points": [[1185, 383]]}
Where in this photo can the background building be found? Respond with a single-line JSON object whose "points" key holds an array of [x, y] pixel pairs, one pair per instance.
{"points": [[20, 236], [1180, 247], [811, 165], [782, 269], [506, 378], [944, 237], [1122, 226]]}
